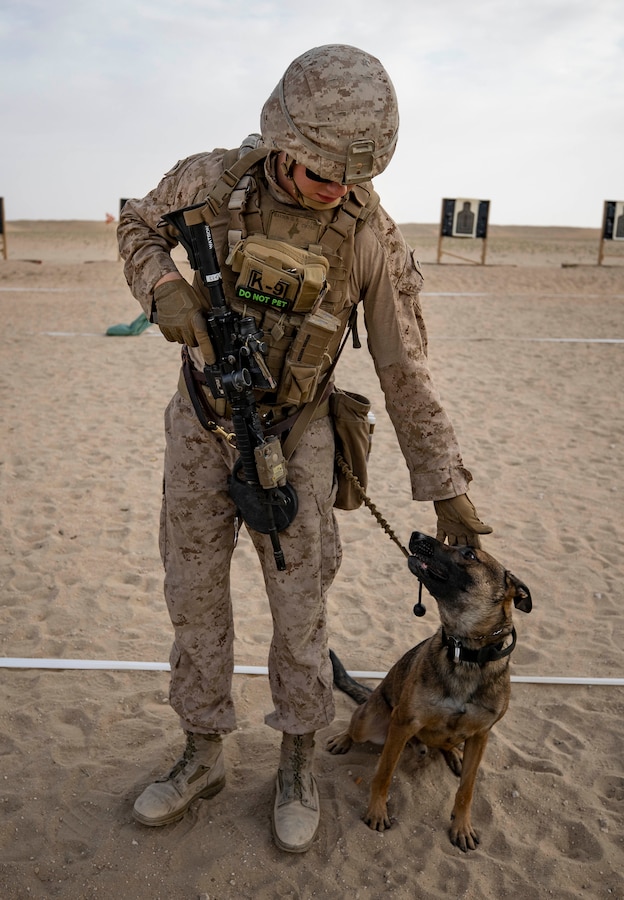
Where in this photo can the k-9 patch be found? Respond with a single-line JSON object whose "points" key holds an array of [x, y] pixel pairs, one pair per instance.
{"points": [[276, 275]]}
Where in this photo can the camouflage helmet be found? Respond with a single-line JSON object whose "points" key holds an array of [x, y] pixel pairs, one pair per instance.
{"points": [[335, 111]]}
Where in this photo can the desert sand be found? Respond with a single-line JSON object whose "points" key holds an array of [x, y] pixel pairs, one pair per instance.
{"points": [[528, 354]]}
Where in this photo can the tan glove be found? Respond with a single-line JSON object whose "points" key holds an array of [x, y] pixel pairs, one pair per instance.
{"points": [[180, 316], [458, 522]]}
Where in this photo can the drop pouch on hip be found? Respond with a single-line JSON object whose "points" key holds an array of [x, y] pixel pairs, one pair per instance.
{"points": [[352, 430]]}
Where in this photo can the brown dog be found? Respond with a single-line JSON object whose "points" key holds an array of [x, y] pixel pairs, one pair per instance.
{"points": [[451, 688]]}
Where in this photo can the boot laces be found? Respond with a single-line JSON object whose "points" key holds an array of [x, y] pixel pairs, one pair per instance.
{"points": [[298, 761], [181, 763]]}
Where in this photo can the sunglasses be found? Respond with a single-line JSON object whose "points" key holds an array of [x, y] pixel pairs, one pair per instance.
{"points": [[312, 176]]}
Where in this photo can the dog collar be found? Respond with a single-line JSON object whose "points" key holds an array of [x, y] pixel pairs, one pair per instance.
{"points": [[458, 653]]}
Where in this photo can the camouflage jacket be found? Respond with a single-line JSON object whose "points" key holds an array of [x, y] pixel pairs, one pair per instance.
{"points": [[384, 279]]}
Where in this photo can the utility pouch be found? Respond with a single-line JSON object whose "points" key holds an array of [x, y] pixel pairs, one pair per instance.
{"points": [[274, 275], [352, 430], [307, 357], [270, 463]]}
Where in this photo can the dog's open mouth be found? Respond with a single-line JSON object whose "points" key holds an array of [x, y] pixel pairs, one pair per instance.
{"points": [[424, 569], [422, 561]]}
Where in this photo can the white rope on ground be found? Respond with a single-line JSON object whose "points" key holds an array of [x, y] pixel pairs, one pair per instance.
{"points": [[127, 665]]}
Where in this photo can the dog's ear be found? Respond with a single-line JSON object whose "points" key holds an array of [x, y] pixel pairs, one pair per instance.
{"points": [[522, 595]]}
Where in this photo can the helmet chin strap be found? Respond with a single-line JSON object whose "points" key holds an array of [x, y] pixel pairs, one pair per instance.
{"points": [[287, 166]]}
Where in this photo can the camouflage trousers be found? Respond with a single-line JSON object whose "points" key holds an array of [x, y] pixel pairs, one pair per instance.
{"points": [[197, 536]]}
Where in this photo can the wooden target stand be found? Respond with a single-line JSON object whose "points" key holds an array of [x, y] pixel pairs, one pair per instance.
{"points": [[474, 262], [464, 219], [612, 233], [612, 228]]}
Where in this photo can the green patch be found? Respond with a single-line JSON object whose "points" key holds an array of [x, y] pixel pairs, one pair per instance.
{"points": [[263, 299]]}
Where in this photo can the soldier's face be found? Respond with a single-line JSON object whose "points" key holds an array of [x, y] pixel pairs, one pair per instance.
{"points": [[320, 191]]}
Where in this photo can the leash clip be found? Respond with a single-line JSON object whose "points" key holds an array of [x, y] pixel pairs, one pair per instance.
{"points": [[229, 436], [457, 649]]}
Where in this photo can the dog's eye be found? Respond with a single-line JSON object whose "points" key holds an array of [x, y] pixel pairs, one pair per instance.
{"points": [[468, 553]]}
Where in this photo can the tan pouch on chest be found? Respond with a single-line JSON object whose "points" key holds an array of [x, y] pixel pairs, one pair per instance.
{"points": [[307, 358], [274, 275]]}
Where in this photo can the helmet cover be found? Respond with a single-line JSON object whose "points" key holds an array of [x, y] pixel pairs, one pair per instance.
{"points": [[334, 111]]}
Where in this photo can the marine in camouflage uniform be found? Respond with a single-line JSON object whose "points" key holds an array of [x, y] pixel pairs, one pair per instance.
{"points": [[329, 126]]}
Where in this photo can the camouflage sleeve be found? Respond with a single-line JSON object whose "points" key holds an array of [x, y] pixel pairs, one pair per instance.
{"points": [[146, 248], [397, 340]]}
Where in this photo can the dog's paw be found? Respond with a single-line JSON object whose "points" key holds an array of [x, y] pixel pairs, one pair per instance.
{"points": [[340, 743], [377, 818], [454, 760], [464, 836]]}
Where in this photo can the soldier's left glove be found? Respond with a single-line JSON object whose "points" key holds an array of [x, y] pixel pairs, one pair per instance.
{"points": [[181, 317], [458, 522]]}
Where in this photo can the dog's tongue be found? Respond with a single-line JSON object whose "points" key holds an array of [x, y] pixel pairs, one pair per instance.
{"points": [[416, 565]]}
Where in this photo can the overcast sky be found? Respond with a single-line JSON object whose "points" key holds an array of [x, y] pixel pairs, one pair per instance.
{"points": [[520, 102]]}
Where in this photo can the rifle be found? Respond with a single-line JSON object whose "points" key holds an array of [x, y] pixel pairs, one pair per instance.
{"points": [[264, 497]]}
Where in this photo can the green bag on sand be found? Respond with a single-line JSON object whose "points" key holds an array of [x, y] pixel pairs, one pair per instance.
{"points": [[137, 327]]}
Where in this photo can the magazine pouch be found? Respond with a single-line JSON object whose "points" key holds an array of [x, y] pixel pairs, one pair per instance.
{"points": [[307, 358]]}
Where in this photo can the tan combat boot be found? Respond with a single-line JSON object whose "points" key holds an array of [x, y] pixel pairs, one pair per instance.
{"points": [[297, 810], [200, 772]]}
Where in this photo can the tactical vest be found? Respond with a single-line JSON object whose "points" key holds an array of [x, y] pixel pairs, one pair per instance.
{"points": [[273, 244]]}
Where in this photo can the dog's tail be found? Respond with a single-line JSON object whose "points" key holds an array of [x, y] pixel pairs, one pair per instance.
{"points": [[343, 681]]}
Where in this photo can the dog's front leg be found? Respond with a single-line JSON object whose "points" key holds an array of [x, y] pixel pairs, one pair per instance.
{"points": [[377, 813], [462, 833]]}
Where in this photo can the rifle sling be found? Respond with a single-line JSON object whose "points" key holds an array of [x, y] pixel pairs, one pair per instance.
{"points": [[197, 397], [192, 386]]}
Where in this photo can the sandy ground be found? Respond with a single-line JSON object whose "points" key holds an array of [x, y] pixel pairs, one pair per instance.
{"points": [[528, 353]]}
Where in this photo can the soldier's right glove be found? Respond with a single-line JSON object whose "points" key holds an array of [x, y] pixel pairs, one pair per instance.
{"points": [[180, 316]]}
